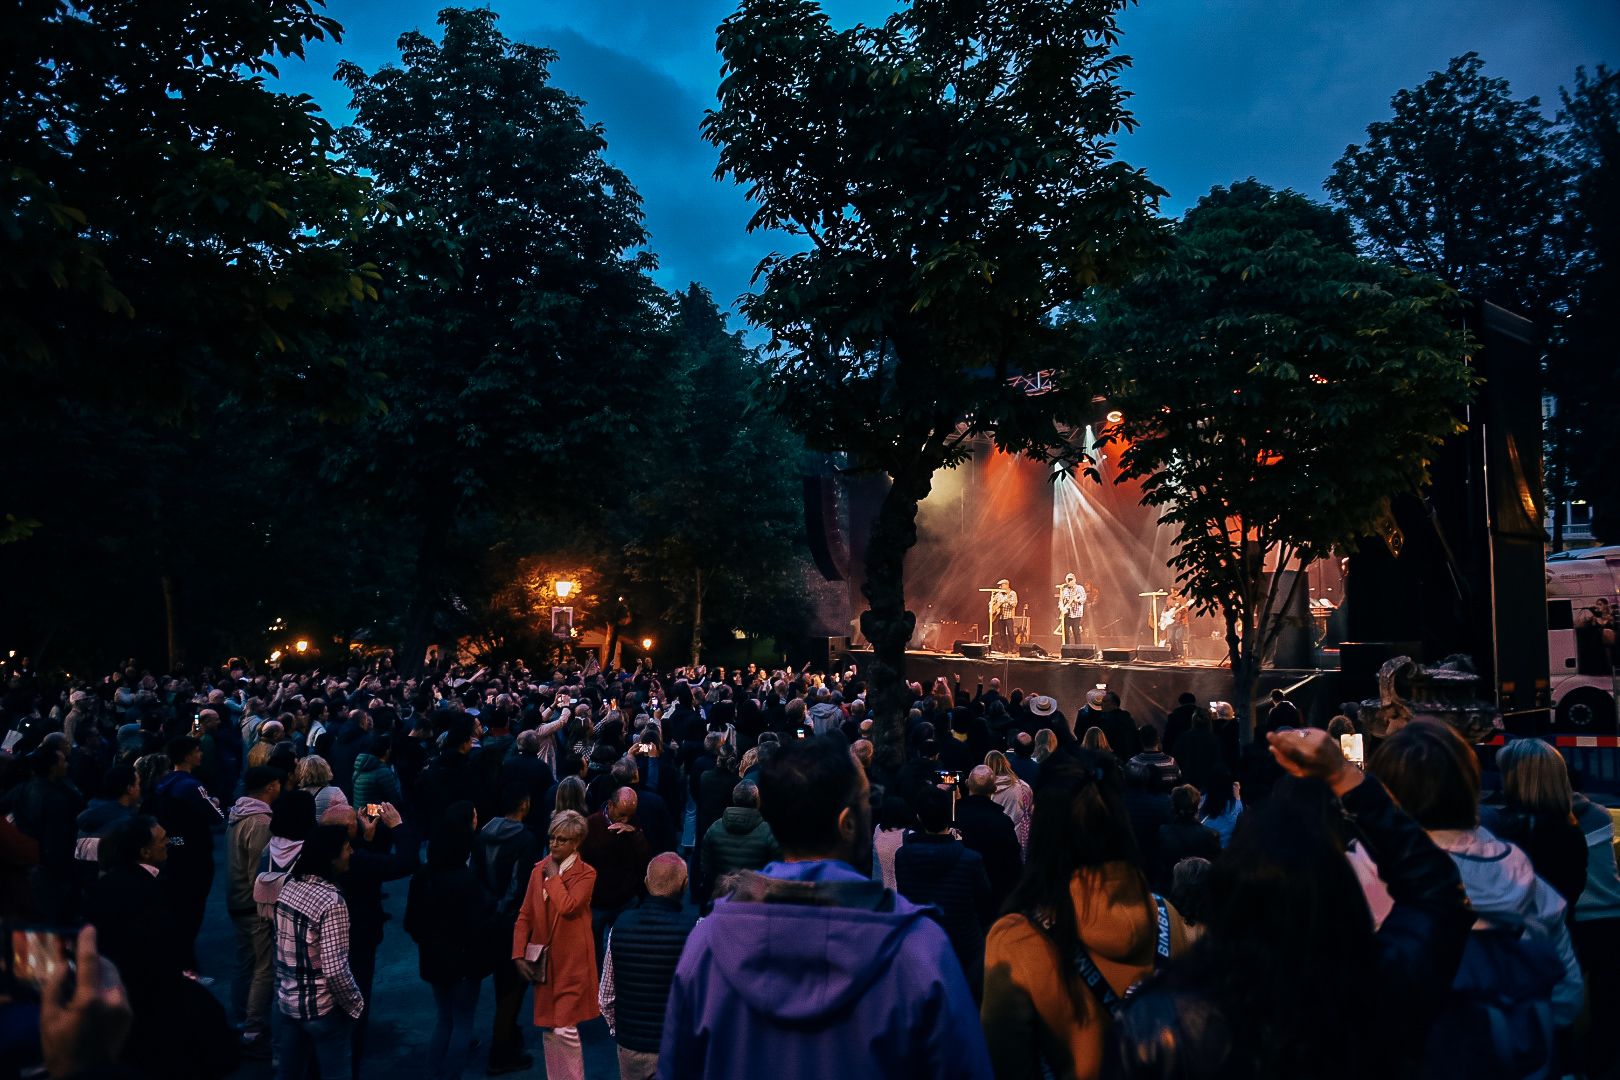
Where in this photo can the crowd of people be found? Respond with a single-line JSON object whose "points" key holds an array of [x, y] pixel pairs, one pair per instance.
{"points": [[738, 872]]}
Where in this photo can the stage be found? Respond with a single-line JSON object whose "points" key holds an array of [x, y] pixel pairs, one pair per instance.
{"points": [[1147, 690]]}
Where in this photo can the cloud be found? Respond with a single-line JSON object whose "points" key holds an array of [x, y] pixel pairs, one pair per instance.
{"points": [[698, 224]]}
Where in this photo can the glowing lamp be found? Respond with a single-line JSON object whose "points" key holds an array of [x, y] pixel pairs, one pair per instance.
{"points": [[565, 589], [274, 656], [1114, 416], [646, 644], [301, 645]]}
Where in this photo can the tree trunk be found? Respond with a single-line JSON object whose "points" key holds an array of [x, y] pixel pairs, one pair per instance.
{"points": [[1245, 685], [697, 616], [171, 633], [886, 622], [426, 599]]}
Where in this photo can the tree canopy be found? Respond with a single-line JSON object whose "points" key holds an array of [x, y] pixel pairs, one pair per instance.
{"points": [[951, 176], [1463, 182], [1277, 390], [512, 340]]}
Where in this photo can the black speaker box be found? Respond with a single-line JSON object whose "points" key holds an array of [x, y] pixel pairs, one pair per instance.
{"points": [[1080, 652], [1153, 653], [1031, 650], [978, 650], [1118, 656]]}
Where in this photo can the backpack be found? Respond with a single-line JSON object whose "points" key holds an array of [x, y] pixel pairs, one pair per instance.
{"points": [[1497, 1021], [269, 880]]}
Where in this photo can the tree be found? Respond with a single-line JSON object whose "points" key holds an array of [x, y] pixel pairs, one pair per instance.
{"points": [[1582, 371], [176, 240], [513, 339], [952, 173], [1463, 183], [174, 228], [713, 517], [1276, 390]]}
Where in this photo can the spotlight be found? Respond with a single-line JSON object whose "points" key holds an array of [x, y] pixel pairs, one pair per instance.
{"points": [[301, 645], [1114, 416], [646, 644]]}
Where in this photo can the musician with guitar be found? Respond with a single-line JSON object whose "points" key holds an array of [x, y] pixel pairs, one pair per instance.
{"points": [[1003, 609], [1176, 622], [1071, 609]]}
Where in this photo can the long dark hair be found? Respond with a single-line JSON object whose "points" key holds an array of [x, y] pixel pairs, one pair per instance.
{"points": [[1219, 795], [1080, 821], [1283, 907]]}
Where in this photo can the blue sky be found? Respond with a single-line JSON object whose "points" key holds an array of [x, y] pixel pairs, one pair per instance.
{"points": [[1225, 89]]}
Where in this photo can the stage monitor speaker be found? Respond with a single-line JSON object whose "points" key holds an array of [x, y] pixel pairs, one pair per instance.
{"points": [[1154, 653], [1118, 656], [1080, 652], [1031, 650], [977, 650]]}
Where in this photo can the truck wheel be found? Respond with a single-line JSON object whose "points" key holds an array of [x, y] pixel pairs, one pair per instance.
{"points": [[1587, 711]]}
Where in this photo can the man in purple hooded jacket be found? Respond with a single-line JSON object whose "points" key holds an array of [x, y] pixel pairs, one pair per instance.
{"points": [[809, 969]]}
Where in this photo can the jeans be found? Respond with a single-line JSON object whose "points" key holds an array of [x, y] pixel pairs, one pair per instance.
{"points": [[453, 1031], [637, 1065], [510, 989], [318, 1047], [363, 965], [255, 976]]}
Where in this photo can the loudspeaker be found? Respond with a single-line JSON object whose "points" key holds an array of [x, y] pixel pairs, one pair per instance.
{"points": [[1157, 654], [1118, 656], [1080, 652], [837, 650], [827, 546], [978, 650], [1030, 649]]}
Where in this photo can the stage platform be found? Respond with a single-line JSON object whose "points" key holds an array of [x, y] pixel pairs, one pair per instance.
{"points": [[1147, 690]]}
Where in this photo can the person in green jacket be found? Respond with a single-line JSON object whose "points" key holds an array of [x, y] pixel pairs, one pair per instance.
{"points": [[374, 778]]}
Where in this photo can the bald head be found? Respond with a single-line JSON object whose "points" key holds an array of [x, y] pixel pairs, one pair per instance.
{"points": [[666, 875], [622, 806], [981, 781], [863, 752]]}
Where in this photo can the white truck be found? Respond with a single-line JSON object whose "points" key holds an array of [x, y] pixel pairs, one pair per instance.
{"points": [[1583, 596]]}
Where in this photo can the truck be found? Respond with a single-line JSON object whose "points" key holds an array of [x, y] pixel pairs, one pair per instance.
{"points": [[1583, 592]]}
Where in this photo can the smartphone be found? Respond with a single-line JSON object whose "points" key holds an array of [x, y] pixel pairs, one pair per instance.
{"points": [[374, 810], [1353, 750], [803, 734]]}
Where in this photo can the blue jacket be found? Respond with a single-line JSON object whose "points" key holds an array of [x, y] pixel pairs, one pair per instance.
{"points": [[834, 992]]}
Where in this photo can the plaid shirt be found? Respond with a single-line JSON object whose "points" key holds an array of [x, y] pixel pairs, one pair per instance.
{"points": [[312, 951]]}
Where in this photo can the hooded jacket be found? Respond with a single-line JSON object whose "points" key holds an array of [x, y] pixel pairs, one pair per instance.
{"points": [[247, 831], [504, 855], [1502, 889], [740, 840], [808, 990]]}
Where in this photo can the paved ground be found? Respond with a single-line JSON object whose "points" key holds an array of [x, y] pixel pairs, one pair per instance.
{"points": [[403, 1014]]}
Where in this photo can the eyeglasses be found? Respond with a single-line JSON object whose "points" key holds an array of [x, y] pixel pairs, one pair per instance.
{"points": [[562, 836]]}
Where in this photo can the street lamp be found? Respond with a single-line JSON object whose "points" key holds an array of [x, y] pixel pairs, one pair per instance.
{"points": [[646, 644], [564, 589], [301, 645]]}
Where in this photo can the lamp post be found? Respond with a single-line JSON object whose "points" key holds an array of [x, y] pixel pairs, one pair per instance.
{"points": [[301, 645], [565, 588]]}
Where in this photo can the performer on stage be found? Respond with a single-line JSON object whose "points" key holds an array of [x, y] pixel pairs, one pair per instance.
{"points": [[1178, 615], [1072, 608], [1003, 608]]}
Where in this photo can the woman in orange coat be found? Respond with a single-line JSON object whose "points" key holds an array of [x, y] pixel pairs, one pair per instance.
{"points": [[556, 912]]}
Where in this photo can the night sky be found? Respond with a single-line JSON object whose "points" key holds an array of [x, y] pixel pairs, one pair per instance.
{"points": [[1225, 89]]}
